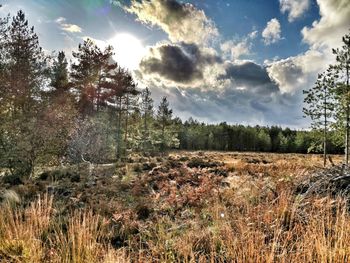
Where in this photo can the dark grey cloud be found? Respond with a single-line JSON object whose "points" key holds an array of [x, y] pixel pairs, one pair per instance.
{"points": [[250, 75], [247, 72], [182, 64]]}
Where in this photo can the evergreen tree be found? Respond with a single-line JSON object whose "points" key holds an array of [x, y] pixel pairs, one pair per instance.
{"points": [[92, 76], [23, 75], [264, 141], [130, 105], [320, 103], [3, 70], [343, 68], [120, 94], [147, 114], [59, 75], [26, 65], [164, 119]]}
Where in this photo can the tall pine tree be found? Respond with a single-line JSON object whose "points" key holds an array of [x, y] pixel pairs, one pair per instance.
{"points": [[91, 75], [343, 68], [168, 138], [320, 104], [147, 114]]}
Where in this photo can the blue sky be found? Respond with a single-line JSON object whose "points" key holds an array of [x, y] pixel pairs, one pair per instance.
{"points": [[240, 61], [239, 17]]}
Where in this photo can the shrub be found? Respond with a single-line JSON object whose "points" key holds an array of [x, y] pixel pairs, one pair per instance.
{"points": [[12, 179], [60, 174], [200, 163]]}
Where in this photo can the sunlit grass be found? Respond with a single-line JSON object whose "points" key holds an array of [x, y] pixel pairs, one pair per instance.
{"points": [[259, 218]]}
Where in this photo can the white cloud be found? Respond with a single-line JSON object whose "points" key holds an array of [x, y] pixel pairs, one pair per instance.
{"points": [[334, 23], [253, 34], [300, 72], [272, 32], [4, 9], [296, 73], [61, 21], [182, 22], [236, 49], [294, 8]]}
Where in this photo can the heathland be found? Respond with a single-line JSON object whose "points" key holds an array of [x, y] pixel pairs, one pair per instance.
{"points": [[184, 207]]}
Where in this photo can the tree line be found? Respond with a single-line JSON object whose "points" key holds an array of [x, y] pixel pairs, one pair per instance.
{"points": [[223, 137], [91, 110]]}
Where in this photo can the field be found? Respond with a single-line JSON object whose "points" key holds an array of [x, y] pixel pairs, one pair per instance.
{"points": [[184, 207]]}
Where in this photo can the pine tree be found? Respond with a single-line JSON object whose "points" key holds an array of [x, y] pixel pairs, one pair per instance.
{"points": [[3, 80], [92, 75], [147, 114], [164, 120], [59, 75], [26, 65], [130, 104], [264, 141], [320, 104], [343, 68], [23, 75], [107, 69], [119, 96]]}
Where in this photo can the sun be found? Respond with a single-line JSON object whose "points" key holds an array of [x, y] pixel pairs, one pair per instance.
{"points": [[128, 50]]}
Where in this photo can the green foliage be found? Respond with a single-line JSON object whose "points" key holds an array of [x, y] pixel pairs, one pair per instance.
{"points": [[328, 101], [165, 137], [222, 137], [147, 116], [320, 100], [264, 141], [59, 74]]}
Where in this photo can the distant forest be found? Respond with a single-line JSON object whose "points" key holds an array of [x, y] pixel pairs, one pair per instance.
{"points": [[224, 137], [91, 110]]}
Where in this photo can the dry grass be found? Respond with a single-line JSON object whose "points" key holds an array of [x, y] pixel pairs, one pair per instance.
{"points": [[256, 217]]}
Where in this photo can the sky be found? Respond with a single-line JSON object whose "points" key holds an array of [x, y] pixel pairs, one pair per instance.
{"points": [[239, 61]]}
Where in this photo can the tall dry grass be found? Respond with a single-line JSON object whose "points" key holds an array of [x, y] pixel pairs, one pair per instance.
{"points": [[286, 230], [33, 234], [259, 218]]}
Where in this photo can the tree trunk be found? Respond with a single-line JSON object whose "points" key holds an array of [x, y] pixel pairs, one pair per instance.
{"points": [[347, 119], [347, 135], [126, 123], [163, 137], [98, 102], [325, 129], [145, 134], [145, 123], [118, 146]]}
